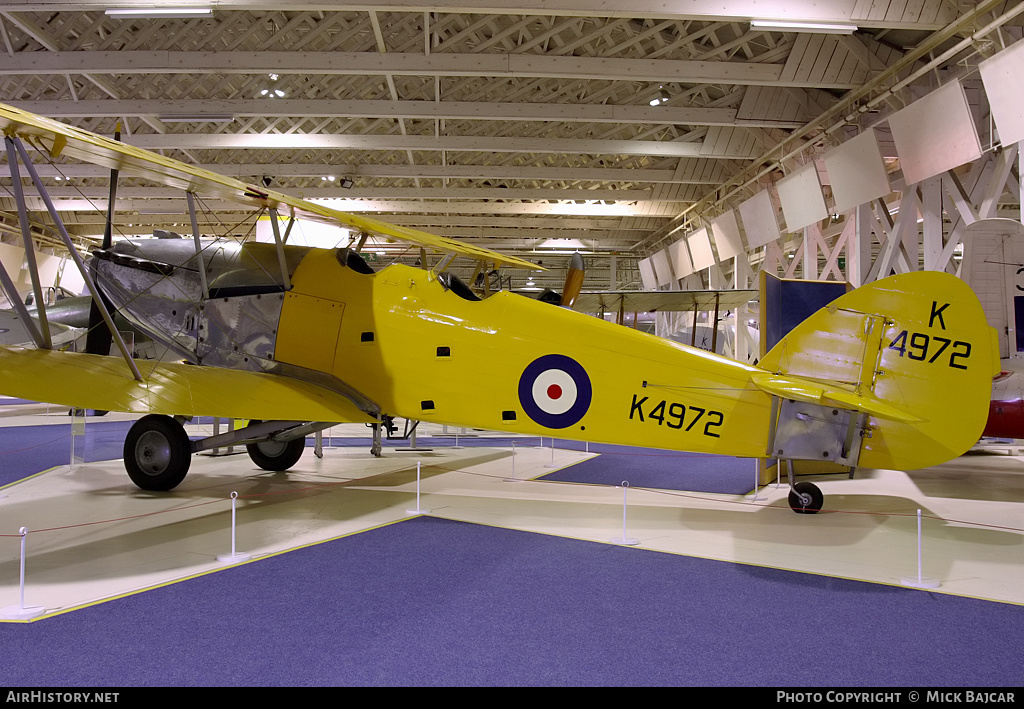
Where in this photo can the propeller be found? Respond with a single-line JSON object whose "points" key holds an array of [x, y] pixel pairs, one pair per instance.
{"points": [[573, 281]]}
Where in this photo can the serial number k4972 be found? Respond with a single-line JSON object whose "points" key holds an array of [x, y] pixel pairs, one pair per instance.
{"points": [[676, 415]]}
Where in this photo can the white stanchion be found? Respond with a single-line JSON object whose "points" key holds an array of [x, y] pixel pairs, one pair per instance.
{"points": [[919, 582], [234, 557], [419, 510], [629, 541], [513, 479], [757, 482], [552, 464], [21, 611]]}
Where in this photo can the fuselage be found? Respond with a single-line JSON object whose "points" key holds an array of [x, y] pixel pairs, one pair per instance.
{"points": [[406, 342]]}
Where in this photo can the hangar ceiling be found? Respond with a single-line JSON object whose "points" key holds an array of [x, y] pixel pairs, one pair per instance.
{"points": [[535, 128]]}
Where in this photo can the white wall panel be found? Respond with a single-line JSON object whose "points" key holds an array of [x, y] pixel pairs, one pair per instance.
{"points": [[1001, 76], [857, 172], [801, 198], [647, 275], [680, 259], [726, 231], [662, 268], [935, 133], [12, 258], [700, 250], [758, 217]]}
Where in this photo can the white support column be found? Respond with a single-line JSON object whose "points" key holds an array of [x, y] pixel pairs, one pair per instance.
{"points": [[931, 213], [812, 234], [858, 246]]}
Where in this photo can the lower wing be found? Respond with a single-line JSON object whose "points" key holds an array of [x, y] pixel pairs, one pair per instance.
{"points": [[173, 388]]}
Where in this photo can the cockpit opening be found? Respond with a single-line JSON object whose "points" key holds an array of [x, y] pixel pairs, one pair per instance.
{"points": [[352, 259], [450, 282]]}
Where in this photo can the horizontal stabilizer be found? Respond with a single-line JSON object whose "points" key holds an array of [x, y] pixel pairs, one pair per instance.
{"points": [[816, 393]]}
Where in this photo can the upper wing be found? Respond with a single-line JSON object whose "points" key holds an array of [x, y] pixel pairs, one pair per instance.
{"points": [[60, 139], [99, 382]]}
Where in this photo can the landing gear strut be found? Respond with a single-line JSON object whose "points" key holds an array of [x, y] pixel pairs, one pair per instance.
{"points": [[157, 453]]}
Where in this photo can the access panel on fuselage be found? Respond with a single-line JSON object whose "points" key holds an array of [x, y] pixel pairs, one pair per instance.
{"points": [[308, 333]]}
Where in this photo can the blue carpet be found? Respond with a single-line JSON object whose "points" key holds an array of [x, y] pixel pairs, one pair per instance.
{"points": [[664, 470], [27, 450], [435, 602], [640, 467]]}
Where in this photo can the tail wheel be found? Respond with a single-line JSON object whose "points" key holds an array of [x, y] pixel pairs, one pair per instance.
{"points": [[275, 456], [805, 498], [157, 453]]}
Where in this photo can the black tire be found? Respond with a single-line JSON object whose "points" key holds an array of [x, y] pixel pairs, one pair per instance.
{"points": [[276, 456], [806, 498], [157, 453]]}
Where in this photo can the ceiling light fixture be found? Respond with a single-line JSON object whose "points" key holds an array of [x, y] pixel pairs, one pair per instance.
{"points": [[270, 91], [663, 97], [152, 13], [812, 27]]}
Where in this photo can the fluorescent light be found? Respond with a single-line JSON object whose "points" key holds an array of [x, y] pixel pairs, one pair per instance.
{"points": [[813, 27], [158, 12]]}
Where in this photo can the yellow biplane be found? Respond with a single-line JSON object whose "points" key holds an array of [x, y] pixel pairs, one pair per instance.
{"points": [[895, 374]]}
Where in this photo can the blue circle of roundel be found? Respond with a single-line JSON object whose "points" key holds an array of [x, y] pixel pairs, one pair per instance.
{"points": [[555, 391]]}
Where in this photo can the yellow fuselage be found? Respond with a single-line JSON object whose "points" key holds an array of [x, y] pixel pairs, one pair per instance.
{"points": [[510, 363]]}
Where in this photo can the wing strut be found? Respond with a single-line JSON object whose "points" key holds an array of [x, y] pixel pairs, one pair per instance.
{"points": [[66, 238], [42, 335], [280, 249], [199, 251]]}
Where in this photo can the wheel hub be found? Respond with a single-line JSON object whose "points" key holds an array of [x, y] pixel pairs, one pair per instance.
{"points": [[272, 449], [153, 452]]}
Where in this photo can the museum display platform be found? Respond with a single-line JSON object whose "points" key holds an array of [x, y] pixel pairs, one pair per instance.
{"points": [[92, 535]]}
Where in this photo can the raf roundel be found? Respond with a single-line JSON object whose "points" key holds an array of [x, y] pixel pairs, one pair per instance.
{"points": [[555, 391]]}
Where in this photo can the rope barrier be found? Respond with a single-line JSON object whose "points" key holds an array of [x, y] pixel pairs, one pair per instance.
{"points": [[323, 486]]}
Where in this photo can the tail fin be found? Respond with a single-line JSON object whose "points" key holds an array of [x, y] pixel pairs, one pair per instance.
{"points": [[913, 354]]}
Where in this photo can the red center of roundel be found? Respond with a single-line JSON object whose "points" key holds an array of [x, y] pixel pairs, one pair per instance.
{"points": [[554, 391]]}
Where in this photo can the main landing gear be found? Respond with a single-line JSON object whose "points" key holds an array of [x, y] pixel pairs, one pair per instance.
{"points": [[275, 455], [158, 452]]}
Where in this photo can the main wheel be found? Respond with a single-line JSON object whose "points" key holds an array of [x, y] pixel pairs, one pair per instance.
{"points": [[276, 456], [805, 498], [157, 453]]}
